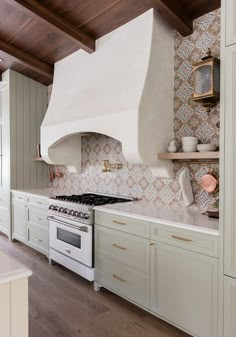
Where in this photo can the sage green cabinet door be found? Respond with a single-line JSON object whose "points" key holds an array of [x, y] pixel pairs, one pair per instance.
{"points": [[230, 22], [229, 199], [19, 214], [229, 307], [184, 288]]}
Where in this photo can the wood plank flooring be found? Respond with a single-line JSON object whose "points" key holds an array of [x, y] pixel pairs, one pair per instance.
{"points": [[62, 304]]}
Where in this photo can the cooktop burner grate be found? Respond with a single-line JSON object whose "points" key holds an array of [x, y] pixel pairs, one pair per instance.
{"points": [[92, 199]]}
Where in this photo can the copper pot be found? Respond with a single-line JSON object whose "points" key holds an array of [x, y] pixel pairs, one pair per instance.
{"points": [[210, 182]]}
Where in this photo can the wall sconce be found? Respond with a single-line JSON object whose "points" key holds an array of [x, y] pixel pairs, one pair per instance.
{"points": [[107, 166], [207, 80]]}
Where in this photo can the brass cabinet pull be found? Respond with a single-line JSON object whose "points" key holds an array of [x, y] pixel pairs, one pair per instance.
{"points": [[152, 243], [119, 247], [181, 239], [118, 278], [119, 222], [38, 240]]}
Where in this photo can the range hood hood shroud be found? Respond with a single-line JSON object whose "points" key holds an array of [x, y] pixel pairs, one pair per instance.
{"points": [[124, 90]]}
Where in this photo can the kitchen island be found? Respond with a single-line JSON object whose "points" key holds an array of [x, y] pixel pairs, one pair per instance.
{"points": [[13, 297]]}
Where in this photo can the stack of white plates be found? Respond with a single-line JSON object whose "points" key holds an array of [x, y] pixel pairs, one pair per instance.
{"points": [[189, 144], [206, 147]]}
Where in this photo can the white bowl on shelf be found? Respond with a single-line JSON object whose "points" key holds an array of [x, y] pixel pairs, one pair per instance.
{"points": [[190, 148], [206, 147], [189, 140]]}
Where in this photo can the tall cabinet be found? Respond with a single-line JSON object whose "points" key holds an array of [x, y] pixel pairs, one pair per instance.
{"points": [[228, 165], [23, 103]]}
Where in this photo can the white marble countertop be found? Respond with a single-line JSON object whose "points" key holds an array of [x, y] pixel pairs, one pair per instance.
{"points": [[41, 192], [185, 218], [11, 270]]}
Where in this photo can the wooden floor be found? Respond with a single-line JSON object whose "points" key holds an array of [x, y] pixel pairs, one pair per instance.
{"points": [[62, 304]]}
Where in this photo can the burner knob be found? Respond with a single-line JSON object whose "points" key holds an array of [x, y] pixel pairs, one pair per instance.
{"points": [[51, 207], [76, 214], [81, 215], [55, 208], [71, 212], [86, 216], [61, 209], [65, 210]]}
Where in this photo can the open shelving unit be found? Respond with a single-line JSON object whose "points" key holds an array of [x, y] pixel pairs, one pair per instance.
{"points": [[214, 155]]}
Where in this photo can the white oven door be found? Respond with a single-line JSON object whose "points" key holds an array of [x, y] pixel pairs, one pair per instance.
{"points": [[74, 241]]}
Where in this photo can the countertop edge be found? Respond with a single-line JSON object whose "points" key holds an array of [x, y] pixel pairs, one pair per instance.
{"points": [[34, 193], [161, 221], [16, 275]]}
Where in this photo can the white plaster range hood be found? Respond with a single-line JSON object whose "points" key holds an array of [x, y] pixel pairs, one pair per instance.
{"points": [[124, 90]]}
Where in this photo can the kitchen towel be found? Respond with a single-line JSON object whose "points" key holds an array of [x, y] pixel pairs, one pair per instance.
{"points": [[186, 187]]}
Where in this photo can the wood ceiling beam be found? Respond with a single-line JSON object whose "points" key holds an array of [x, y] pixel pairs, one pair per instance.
{"points": [[174, 16], [56, 23], [28, 60]]}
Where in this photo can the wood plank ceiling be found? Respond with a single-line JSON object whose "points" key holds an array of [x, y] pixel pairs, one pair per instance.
{"points": [[36, 34]]}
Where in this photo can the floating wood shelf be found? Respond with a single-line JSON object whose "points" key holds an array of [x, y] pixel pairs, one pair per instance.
{"points": [[189, 155]]}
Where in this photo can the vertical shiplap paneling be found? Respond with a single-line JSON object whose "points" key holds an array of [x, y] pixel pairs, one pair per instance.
{"points": [[19, 131], [26, 120], [44, 109], [39, 106], [28, 103], [33, 132], [12, 92]]}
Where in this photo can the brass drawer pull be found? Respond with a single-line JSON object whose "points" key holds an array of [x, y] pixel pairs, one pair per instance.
{"points": [[39, 202], [119, 247], [181, 239], [152, 243], [37, 218], [119, 222], [118, 278], [38, 240]]}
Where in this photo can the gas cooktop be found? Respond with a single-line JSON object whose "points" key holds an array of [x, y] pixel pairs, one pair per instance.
{"points": [[92, 199]]}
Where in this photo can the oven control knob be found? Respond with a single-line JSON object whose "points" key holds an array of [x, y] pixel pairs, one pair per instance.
{"points": [[55, 208], [61, 209], [86, 216], [71, 212], [65, 210], [81, 215], [51, 207], [76, 214]]}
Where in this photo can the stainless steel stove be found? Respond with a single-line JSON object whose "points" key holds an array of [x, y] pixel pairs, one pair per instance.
{"points": [[80, 207], [71, 219]]}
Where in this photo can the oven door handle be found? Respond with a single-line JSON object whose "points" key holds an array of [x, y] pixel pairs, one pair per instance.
{"points": [[80, 228]]}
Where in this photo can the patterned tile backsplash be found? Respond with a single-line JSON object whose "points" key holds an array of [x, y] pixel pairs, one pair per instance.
{"points": [[189, 119]]}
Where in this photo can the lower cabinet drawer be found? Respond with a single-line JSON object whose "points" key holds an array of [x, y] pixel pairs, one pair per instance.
{"points": [[122, 247], [122, 223], [38, 238], [182, 238], [21, 197], [124, 280], [38, 216], [36, 201]]}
